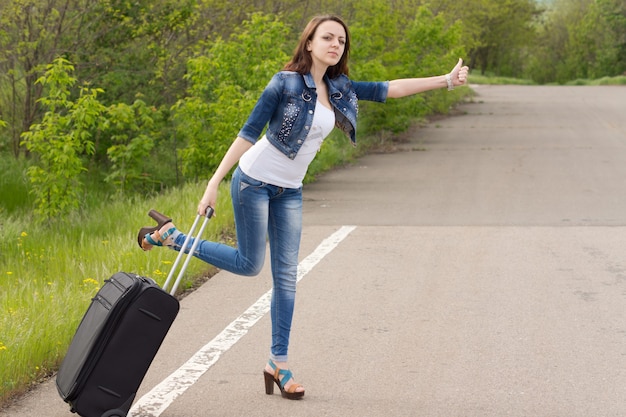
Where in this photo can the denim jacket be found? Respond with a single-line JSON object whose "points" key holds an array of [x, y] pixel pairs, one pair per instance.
{"points": [[288, 104]]}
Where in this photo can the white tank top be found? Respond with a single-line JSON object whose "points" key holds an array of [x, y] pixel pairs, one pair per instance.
{"points": [[264, 162]]}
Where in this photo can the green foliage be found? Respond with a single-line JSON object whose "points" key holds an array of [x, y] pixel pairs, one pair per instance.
{"points": [[582, 39], [429, 45], [156, 51], [129, 127], [32, 34], [67, 137], [60, 141], [594, 53], [497, 35], [224, 86], [432, 43], [435, 45], [490, 79], [14, 186], [620, 80], [141, 48]]}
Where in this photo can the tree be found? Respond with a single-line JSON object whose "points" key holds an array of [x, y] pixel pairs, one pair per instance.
{"points": [[61, 140], [597, 40], [496, 34], [125, 47], [139, 47], [32, 34], [424, 45], [580, 39], [129, 127]]}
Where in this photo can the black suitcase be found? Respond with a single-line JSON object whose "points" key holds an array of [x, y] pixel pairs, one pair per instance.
{"points": [[117, 340]]}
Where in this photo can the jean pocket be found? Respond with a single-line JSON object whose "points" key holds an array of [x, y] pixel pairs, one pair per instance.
{"points": [[246, 181]]}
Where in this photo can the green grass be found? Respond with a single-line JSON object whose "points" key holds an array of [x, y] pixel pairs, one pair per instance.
{"points": [[619, 80], [475, 78], [13, 184], [49, 274]]}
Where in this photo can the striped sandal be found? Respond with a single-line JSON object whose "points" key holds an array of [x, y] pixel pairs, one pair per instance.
{"points": [[154, 236], [280, 377]]}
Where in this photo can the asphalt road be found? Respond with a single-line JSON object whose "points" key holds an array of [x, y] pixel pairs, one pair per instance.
{"points": [[483, 275]]}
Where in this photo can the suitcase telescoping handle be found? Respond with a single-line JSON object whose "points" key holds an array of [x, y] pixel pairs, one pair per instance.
{"points": [[181, 253]]}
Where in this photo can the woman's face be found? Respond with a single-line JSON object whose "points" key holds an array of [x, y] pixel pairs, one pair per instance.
{"points": [[328, 44]]}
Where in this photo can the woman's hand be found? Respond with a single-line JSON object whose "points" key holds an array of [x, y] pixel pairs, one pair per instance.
{"points": [[209, 199], [458, 75], [409, 86]]}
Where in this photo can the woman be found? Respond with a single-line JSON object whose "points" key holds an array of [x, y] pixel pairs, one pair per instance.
{"points": [[302, 104]]}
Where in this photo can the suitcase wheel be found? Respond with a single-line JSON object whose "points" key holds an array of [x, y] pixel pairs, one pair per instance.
{"points": [[115, 413]]}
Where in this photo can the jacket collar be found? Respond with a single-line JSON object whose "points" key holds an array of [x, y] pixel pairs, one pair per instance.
{"points": [[310, 84], [308, 80]]}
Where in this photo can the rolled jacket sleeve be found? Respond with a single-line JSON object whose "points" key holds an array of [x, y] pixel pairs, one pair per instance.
{"points": [[371, 91], [263, 110]]}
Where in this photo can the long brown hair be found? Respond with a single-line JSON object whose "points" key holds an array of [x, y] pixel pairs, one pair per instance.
{"points": [[302, 61]]}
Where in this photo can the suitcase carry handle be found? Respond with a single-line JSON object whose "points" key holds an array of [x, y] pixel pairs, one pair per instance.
{"points": [[207, 216]]}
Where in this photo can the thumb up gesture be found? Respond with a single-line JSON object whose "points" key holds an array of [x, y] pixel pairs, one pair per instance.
{"points": [[458, 75]]}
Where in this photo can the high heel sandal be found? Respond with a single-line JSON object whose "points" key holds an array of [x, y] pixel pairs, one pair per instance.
{"points": [[280, 377], [145, 239]]}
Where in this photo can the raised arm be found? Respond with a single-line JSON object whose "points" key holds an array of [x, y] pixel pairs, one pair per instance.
{"points": [[409, 86]]}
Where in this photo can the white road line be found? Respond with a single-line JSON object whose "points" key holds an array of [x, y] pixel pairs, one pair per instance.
{"points": [[163, 395]]}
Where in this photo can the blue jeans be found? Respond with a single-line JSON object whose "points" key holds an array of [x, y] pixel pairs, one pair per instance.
{"points": [[262, 210]]}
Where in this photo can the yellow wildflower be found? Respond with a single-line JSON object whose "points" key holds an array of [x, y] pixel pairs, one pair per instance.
{"points": [[2, 347], [24, 234]]}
